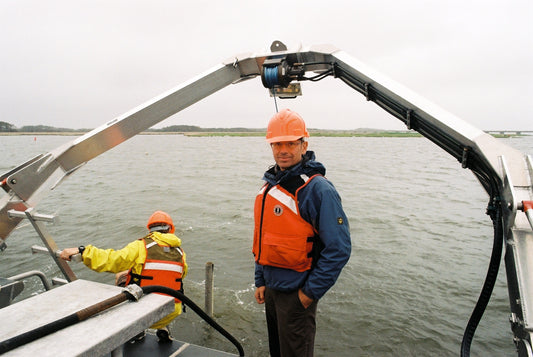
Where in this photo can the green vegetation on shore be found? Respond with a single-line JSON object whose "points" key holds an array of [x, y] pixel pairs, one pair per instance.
{"points": [[316, 133], [191, 130]]}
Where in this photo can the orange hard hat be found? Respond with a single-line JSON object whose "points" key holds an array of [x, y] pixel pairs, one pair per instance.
{"points": [[286, 125], [160, 218]]}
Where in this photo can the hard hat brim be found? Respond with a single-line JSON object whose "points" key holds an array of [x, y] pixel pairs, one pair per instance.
{"points": [[278, 139]]}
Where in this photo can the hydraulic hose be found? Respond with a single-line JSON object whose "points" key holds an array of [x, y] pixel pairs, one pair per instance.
{"points": [[179, 295], [27, 337], [488, 286]]}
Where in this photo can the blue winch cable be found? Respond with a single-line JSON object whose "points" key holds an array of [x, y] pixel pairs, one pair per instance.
{"points": [[270, 75], [275, 102]]}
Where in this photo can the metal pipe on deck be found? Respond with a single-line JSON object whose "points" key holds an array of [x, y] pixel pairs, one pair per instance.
{"points": [[32, 273]]}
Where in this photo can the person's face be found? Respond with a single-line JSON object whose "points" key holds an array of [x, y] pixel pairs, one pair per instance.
{"points": [[288, 153]]}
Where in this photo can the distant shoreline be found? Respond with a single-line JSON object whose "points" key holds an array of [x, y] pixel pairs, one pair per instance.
{"points": [[324, 133], [314, 133]]}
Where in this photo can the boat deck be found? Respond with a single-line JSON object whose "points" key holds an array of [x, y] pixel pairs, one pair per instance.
{"points": [[104, 334], [151, 347]]}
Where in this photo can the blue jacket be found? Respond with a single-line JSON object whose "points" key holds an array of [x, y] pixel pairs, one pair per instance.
{"points": [[320, 205]]}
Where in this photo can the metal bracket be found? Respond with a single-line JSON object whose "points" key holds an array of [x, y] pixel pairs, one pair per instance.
{"points": [[464, 159], [367, 91], [58, 281], [278, 46], [408, 119], [51, 246], [36, 216]]}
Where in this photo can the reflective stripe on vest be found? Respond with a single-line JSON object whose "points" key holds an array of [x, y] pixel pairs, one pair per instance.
{"points": [[283, 198], [163, 266]]}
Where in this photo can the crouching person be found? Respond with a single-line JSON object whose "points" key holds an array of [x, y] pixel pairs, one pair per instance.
{"points": [[156, 259]]}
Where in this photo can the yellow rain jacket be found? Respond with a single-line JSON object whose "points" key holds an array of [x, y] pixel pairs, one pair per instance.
{"points": [[132, 257]]}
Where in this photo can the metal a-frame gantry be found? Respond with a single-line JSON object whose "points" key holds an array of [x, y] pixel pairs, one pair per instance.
{"points": [[505, 173]]}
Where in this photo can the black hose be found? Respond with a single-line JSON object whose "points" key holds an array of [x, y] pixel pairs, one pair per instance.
{"points": [[37, 333], [179, 295], [488, 286]]}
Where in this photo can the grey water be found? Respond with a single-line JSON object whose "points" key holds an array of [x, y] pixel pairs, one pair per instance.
{"points": [[421, 239]]}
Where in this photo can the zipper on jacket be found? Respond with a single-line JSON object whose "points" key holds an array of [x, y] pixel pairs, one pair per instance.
{"points": [[269, 186]]}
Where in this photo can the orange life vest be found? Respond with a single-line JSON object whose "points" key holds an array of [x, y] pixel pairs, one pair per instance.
{"points": [[282, 238], [163, 266]]}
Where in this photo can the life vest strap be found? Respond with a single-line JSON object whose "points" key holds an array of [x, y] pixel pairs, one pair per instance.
{"points": [[136, 279], [139, 277]]}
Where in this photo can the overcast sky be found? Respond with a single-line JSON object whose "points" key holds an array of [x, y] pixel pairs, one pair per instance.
{"points": [[78, 64]]}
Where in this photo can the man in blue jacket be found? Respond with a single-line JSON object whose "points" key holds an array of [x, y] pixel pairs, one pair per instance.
{"points": [[301, 238]]}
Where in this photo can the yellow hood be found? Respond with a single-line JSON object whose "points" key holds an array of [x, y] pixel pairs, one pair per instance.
{"points": [[169, 239]]}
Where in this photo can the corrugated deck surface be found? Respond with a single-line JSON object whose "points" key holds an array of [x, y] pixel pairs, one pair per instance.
{"points": [[151, 347]]}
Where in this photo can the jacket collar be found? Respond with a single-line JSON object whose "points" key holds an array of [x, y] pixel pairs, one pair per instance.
{"points": [[308, 165]]}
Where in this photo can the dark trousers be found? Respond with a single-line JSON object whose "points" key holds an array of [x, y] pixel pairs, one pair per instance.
{"points": [[291, 327]]}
